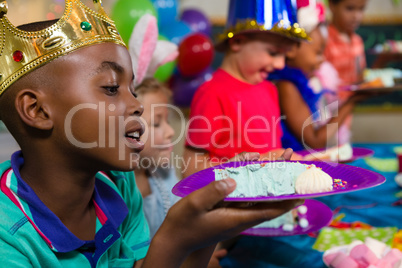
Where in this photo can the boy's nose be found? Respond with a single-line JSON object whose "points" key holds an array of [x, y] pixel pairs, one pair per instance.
{"points": [[169, 131], [136, 107]]}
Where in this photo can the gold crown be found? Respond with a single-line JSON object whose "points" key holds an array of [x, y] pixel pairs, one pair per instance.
{"points": [[294, 31], [23, 51]]}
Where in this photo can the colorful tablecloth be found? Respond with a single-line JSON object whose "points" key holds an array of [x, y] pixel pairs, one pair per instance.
{"points": [[373, 206]]}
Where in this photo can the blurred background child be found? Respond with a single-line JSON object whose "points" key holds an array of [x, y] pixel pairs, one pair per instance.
{"points": [[345, 51], [155, 176], [305, 123], [345, 48]]}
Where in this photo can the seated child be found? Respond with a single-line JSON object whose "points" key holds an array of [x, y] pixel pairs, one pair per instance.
{"points": [[305, 125], [154, 176], [238, 109], [67, 97]]}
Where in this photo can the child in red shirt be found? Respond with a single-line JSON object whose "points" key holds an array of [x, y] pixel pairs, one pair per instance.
{"points": [[238, 109]]}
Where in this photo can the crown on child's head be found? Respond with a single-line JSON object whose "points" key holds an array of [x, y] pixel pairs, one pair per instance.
{"points": [[24, 51]]}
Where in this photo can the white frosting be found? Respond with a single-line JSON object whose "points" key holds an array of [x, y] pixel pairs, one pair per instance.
{"points": [[303, 223], [343, 152], [302, 209], [313, 180], [398, 179], [288, 227]]}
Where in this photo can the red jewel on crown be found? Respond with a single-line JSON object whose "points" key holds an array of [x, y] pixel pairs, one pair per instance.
{"points": [[18, 56]]}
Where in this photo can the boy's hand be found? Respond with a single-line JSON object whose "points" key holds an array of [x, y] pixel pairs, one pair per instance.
{"points": [[195, 222]]}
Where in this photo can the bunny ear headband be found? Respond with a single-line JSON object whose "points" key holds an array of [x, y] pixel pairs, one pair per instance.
{"points": [[310, 15], [147, 52]]}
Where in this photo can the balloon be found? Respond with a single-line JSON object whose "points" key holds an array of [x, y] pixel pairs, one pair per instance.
{"points": [[126, 13], [175, 31], [185, 88], [167, 11], [197, 21], [196, 53], [165, 71]]}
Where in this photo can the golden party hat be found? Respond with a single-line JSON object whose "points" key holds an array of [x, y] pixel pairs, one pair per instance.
{"points": [[24, 51]]}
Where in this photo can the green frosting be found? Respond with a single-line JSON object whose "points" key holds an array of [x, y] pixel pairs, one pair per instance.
{"points": [[272, 179], [286, 218]]}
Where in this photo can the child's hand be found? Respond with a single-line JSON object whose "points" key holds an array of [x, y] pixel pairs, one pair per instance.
{"points": [[280, 154], [195, 222], [216, 256], [359, 96], [245, 156]]}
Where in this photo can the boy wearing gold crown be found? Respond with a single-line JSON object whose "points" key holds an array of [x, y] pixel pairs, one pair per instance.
{"points": [[67, 97], [238, 109]]}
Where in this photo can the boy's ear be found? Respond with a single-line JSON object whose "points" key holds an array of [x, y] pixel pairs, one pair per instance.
{"points": [[236, 42], [31, 109], [291, 53], [331, 6]]}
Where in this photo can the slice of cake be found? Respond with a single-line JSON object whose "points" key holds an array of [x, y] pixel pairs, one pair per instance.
{"points": [[275, 179], [337, 153], [289, 220]]}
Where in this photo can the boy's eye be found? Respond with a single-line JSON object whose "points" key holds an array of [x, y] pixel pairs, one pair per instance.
{"points": [[273, 53], [111, 90]]}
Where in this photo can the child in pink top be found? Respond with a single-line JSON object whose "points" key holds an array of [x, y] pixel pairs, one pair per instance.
{"points": [[345, 49]]}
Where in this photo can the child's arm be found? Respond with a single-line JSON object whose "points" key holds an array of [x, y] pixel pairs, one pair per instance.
{"points": [[299, 117], [195, 222]]}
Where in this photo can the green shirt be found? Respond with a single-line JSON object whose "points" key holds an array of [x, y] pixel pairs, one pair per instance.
{"points": [[33, 236]]}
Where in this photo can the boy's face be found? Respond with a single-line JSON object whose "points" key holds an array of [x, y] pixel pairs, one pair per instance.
{"points": [[96, 116], [309, 56], [158, 135], [256, 57], [348, 14]]}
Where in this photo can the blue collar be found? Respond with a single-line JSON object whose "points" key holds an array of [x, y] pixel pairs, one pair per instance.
{"points": [[299, 79], [111, 210]]}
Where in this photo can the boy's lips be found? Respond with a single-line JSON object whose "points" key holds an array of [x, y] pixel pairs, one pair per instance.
{"points": [[133, 135], [264, 75]]}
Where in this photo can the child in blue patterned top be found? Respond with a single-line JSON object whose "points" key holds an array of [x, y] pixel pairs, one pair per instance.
{"points": [[155, 176]]}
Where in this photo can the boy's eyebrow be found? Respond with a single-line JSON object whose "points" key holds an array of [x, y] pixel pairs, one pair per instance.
{"points": [[107, 65]]}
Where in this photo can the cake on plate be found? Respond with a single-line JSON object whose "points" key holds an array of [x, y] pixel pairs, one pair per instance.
{"points": [[288, 221], [337, 153], [276, 178]]}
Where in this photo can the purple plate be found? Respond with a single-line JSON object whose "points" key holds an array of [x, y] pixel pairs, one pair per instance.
{"points": [[357, 153], [318, 215], [356, 178], [376, 89]]}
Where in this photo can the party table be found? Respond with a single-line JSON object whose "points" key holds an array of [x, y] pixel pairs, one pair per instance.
{"points": [[376, 206]]}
